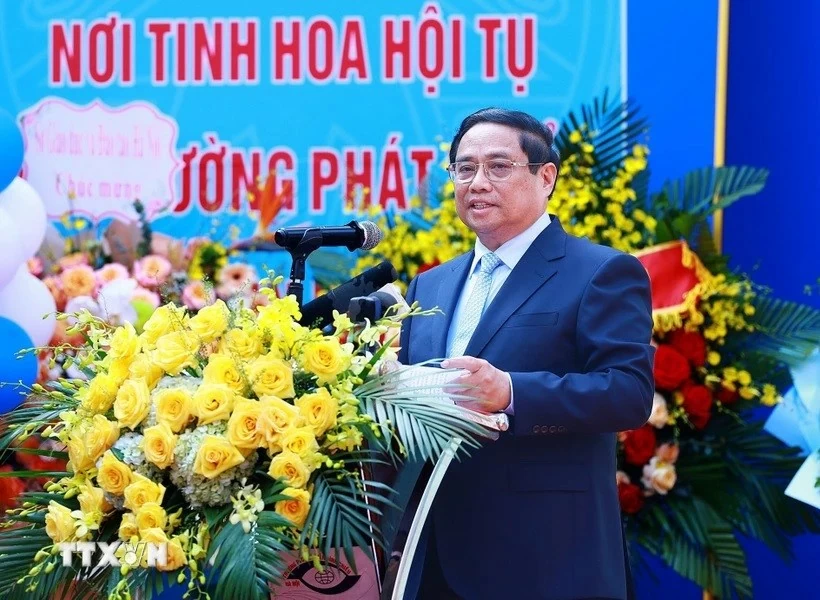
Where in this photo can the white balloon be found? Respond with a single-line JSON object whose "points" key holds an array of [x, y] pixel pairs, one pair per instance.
{"points": [[11, 255], [23, 205], [26, 300]]}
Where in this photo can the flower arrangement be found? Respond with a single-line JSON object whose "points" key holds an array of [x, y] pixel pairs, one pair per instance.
{"points": [[230, 436], [123, 272], [699, 472]]}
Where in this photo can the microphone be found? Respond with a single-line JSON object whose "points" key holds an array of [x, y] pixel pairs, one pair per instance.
{"points": [[365, 235], [375, 305], [319, 312]]}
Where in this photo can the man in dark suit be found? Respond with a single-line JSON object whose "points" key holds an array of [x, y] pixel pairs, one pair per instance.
{"points": [[555, 331]]}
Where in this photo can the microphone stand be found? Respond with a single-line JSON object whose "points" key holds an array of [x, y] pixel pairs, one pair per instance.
{"points": [[311, 241]]}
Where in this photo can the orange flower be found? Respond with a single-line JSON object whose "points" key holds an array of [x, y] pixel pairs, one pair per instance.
{"points": [[78, 281]]}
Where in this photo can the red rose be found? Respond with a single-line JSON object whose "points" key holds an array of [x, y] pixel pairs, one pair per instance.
{"points": [[630, 497], [10, 489], [639, 445], [697, 401], [691, 344], [671, 368], [726, 395]]}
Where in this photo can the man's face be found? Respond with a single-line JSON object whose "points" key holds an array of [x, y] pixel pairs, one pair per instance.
{"points": [[497, 211]]}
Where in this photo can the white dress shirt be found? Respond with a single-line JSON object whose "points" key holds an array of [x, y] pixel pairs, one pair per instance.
{"points": [[510, 254]]}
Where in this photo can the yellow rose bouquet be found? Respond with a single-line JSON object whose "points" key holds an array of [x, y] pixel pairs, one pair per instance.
{"points": [[218, 441]]}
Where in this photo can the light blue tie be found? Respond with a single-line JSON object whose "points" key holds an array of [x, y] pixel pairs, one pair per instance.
{"points": [[472, 311]]}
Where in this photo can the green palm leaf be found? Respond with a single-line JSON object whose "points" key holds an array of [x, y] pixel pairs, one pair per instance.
{"points": [[37, 413], [697, 543], [342, 509], [245, 563], [17, 549], [685, 203], [614, 128], [703, 191], [425, 421], [787, 331], [740, 471]]}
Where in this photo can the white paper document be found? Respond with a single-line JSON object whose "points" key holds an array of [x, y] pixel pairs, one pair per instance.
{"points": [[436, 383]]}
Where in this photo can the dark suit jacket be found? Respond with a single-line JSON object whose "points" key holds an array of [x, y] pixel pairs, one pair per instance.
{"points": [[535, 514]]}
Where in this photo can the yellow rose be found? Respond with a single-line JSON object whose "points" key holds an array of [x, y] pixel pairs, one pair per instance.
{"points": [[319, 410], [223, 368], [296, 507], [174, 407], [92, 500], [133, 403], [210, 322], [300, 441], [271, 376], [158, 444], [142, 490], [275, 417], [119, 369], [124, 343], [112, 475], [175, 556], [144, 368], [59, 523], [100, 436], [100, 393], [153, 535], [242, 429], [213, 402], [291, 470], [216, 455], [176, 351], [326, 359], [128, 527], [151, 515], [78, 458], [163, 320], [238, 342], [89, 440]]}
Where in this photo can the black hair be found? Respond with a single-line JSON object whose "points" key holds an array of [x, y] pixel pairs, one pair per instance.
{"points": [[535, 138]]}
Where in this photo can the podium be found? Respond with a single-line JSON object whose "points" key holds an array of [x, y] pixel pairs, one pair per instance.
{"points": [[416, 484]]}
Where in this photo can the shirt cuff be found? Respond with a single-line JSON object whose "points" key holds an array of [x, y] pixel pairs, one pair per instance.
{"points": [[509, 410]]}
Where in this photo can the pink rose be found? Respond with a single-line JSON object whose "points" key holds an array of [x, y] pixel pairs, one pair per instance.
{"points": [[659, 476], [236, 278], [111, 272], [196, 296], [152, 271]]}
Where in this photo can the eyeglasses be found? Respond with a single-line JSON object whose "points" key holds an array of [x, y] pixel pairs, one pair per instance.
{"points": [[497, 169]]}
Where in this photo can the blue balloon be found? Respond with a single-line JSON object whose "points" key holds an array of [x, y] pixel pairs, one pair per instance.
{"points": [[11, 148], [14, 370]]}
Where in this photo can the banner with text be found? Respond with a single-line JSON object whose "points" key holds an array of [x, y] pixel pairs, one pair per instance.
{"points": [[187, 106]]}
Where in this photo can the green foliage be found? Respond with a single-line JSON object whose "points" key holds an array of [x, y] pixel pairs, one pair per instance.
{"points": [[245, 563]]}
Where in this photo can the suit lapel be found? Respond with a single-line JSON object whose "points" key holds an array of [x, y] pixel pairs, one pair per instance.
{"points": [[454, 276], [538, 265]]}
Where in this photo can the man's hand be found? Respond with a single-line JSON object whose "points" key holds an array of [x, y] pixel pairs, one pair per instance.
{"points": [[489, 387]]}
